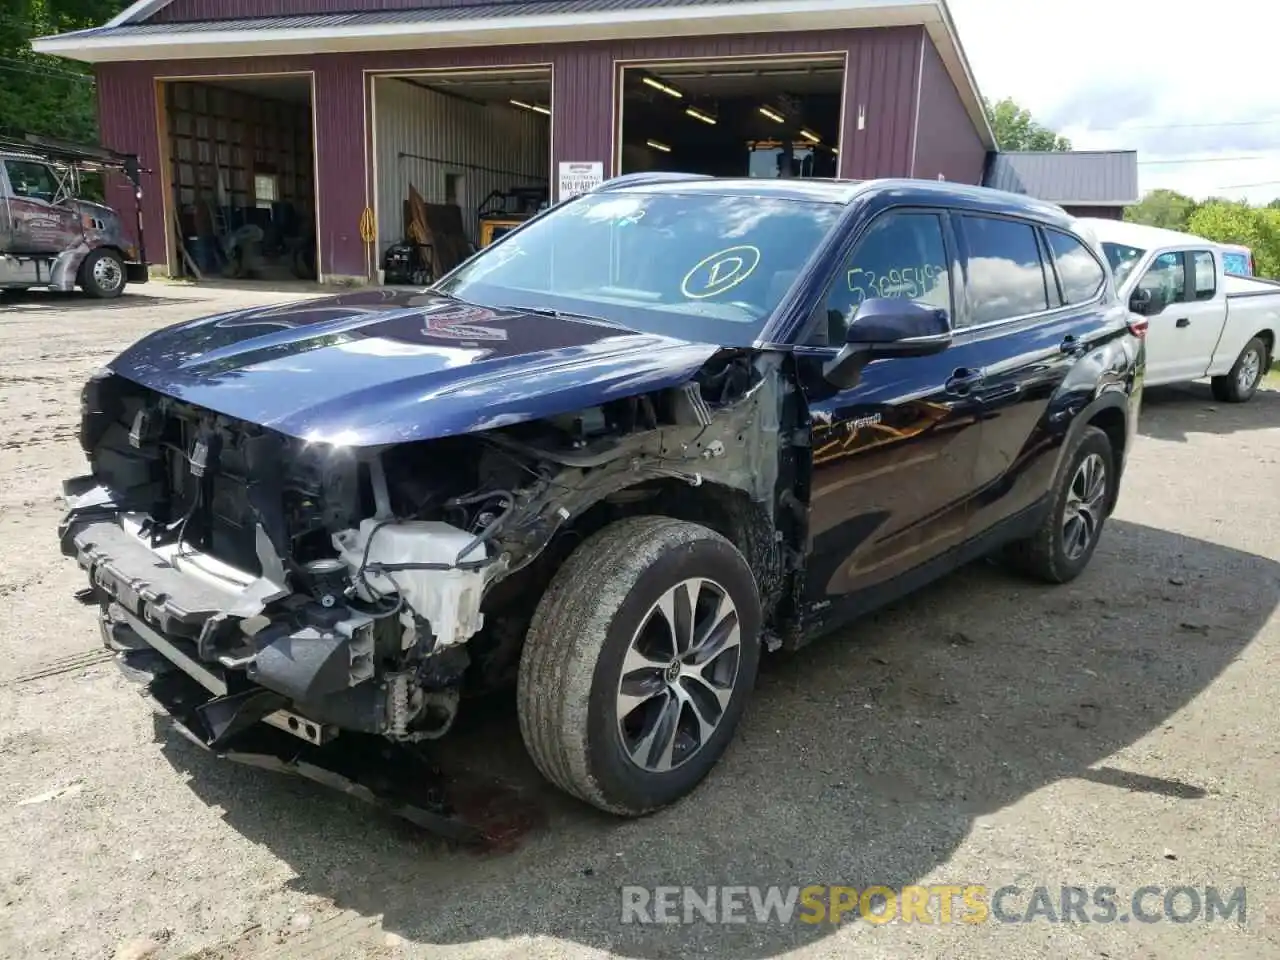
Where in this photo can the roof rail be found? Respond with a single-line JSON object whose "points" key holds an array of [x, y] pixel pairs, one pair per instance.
{"points": [[640, 179]]}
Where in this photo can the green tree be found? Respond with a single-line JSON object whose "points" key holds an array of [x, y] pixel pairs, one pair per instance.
{"points": [[1229, 222], [42, 94], [1017, 130], [1162, 208]]}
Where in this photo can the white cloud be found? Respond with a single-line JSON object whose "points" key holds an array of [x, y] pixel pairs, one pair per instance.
{"points": [[1105, 72]]}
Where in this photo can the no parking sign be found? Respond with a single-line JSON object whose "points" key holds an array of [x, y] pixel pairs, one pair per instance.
{"points": [[579, 177]]}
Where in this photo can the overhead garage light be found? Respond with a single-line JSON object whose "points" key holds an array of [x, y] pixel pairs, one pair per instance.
{"points": [[659, 85], [773, 115], [658, 145], [535, 107], [699, 115], [810, 135]]}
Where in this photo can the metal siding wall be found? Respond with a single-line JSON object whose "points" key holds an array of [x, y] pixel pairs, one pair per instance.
{"points": [[410, 119], [881, 78], [947, 142], [127, 121]]}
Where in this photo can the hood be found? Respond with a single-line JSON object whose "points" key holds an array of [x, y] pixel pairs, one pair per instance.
{"points": [[385, 366]]}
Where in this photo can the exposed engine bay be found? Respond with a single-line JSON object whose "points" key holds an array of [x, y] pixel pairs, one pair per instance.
{"points": [[327, 589]]}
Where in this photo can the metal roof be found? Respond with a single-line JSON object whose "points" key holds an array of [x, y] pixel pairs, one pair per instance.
{"points": [[471, 11], [1095, 178]]}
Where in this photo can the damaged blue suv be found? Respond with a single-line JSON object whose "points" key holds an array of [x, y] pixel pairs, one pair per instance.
{"points": [[608, 463]]}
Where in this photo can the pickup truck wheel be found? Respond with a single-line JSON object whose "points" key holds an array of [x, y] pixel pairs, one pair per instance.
{"points": [[638, 663], [1242, 382], [1080, 501], [102, 275]]}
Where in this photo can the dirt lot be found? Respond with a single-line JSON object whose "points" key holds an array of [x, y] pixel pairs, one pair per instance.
{"points": [[1120, 731]]}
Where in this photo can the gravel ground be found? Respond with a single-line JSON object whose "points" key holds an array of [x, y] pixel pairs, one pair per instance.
{"points": [[1119, 731]]}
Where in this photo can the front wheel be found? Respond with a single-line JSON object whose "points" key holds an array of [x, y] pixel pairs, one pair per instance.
{"points": [[102, 274], [638, 663], [1079, 503], [1242, 382]]}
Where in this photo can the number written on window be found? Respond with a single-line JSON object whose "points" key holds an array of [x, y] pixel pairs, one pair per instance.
{"points": [[902, 256], [1079, 273], [1006, 276]]}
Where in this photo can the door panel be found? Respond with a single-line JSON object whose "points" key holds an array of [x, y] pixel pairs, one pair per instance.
{"points": [[1025, 410], [893, 456], [893, 474], [1041, 369], [1181, 338], [37, 224]]}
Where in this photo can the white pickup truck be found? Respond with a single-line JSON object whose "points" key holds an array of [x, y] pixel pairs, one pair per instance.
{"points": [[1201, 322]]}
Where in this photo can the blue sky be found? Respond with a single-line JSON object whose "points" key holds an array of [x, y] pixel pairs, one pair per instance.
{"points": [[1175, 83]]}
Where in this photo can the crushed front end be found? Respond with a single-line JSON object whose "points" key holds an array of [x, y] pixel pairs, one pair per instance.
{"points": [[328, 595], [289, 580]]}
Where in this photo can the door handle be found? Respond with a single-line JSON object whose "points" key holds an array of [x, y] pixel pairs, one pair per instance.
{"points": [[963, 380], [1072, 345], [1183, 322]]}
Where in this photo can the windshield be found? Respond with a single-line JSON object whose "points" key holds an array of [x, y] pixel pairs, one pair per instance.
{"points": [[1123, 259], [698, 267]]}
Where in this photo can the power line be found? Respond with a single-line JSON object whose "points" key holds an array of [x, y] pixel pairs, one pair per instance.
{"points": [[1184, 126], [1192, 160], [22, 66], [1246, 186]]}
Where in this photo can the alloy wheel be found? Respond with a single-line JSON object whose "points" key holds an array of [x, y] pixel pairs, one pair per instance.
{"points": [[1249, 372], [678, 675], [1085, 505]]}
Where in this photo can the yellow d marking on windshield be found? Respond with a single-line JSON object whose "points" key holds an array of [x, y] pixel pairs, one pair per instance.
{"points": [[719, 272]]}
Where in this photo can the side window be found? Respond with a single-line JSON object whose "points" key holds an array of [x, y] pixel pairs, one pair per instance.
{"points": [[33, 180], [1079, 272], [1006, 275], [1166, 278], [902, 255], [1206, 275]]}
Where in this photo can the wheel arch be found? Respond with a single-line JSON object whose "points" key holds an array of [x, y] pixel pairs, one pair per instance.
{"points": [[725, 509]]}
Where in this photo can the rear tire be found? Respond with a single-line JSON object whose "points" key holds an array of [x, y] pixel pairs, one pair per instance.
{"points": [[609, 712], [1246, 374], [1079, 504], [102, 274]]}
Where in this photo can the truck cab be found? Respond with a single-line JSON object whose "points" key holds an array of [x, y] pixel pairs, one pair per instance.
{"points": [[1203, 320], [49, 237]]}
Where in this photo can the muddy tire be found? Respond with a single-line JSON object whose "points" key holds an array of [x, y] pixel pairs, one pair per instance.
{"points": [[638, 663], [102, 275], [1080, 501], [1241, 383]]}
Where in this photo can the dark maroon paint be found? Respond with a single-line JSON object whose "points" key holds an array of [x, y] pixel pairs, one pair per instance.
{"points": [[947, 142], [882, 74]]}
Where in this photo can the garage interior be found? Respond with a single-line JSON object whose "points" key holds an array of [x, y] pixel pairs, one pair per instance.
{"points": [[460, 157], [241, 178], [759, 119]]}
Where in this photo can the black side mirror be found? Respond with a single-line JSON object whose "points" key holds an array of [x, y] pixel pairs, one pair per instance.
{"points": [[1146, 303], [883, 329]]}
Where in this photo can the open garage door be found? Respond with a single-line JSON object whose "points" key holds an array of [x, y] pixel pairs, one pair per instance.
{"points": [[733, 119], [460, 157], [241, 197]]}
